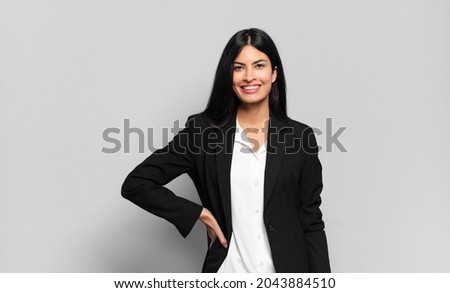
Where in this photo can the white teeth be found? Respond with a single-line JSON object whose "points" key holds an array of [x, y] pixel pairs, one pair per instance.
{"points": [[251, 87]]}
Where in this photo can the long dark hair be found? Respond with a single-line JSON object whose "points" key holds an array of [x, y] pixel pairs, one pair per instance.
{"points": [[223, 102]]}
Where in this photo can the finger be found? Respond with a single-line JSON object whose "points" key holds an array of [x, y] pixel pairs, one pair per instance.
{"points": [[212, 236], [220, 236]]}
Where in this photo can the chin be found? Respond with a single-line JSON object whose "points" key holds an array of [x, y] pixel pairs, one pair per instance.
{"points": [[252, 100]]}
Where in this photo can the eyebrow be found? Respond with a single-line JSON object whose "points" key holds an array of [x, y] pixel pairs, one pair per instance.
{"points": [[255, 62]]}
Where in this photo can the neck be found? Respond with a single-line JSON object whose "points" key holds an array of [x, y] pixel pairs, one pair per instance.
{"points": [[254, 114]]}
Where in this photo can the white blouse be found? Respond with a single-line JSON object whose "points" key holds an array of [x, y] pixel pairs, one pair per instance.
{"points": [[249, 250]]}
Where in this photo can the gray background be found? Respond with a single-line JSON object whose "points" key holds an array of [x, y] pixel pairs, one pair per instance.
{"points": [[71, 69]]}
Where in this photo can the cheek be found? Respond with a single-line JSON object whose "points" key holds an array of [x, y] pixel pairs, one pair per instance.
{"points": [[235, 84], [235, 79], [268, 81], [266, 77]]}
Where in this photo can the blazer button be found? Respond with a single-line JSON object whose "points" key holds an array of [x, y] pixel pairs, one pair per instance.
{"points": [[271, 228]]}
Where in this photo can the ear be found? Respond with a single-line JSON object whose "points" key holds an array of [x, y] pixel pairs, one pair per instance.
{"points": [[274, 74]]}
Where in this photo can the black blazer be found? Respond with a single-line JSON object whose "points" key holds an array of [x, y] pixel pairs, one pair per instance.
{"points": [[292, 187]]}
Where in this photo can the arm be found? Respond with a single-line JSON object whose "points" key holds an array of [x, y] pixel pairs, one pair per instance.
{"points": [[144, 185], [310, 214]]}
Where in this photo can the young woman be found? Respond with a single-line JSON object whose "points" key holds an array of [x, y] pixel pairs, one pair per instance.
{"points": [[256, 170]]}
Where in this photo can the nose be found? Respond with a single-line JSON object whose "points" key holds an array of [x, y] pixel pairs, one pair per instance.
{"points": [[249, 75]]}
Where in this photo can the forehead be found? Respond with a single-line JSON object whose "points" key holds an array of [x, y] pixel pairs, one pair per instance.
{"points": [[250, 54]]}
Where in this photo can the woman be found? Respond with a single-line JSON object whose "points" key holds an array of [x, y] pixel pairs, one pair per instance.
{"points": [[256, 171]]}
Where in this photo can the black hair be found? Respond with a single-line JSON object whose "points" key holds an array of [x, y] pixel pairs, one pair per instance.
{"points": [[223, 102]]}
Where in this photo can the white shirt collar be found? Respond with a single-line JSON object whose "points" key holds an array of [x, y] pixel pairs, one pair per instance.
{"points": [[241, 137]]}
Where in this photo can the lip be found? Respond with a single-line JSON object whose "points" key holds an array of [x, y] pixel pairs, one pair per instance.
{"points": [[251, 88]]}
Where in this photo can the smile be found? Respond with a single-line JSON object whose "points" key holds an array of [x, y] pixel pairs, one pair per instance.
{"points": [[250, 89]]}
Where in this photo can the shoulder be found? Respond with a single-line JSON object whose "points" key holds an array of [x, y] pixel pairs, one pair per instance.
{"points": [[197, 120], [304, 134], [300, 129], [201, 122]]}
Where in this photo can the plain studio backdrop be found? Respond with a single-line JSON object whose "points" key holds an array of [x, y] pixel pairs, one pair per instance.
{"points": [[71, 70]]}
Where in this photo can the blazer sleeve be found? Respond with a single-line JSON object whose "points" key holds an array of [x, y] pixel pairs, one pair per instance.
{"points": [[144, 186], [310, 200]]}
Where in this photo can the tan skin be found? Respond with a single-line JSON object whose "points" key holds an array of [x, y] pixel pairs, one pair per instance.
{"points": [[252, 81]]}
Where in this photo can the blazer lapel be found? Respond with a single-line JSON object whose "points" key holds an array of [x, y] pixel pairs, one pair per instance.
{"points": [[223, 165], [276, 149]]}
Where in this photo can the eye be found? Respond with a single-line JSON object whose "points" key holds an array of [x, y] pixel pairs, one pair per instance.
{"points": [[260, 65], [238, 67]]}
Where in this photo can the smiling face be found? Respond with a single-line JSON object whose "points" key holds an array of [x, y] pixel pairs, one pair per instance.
{"points": [[253, 76]]}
